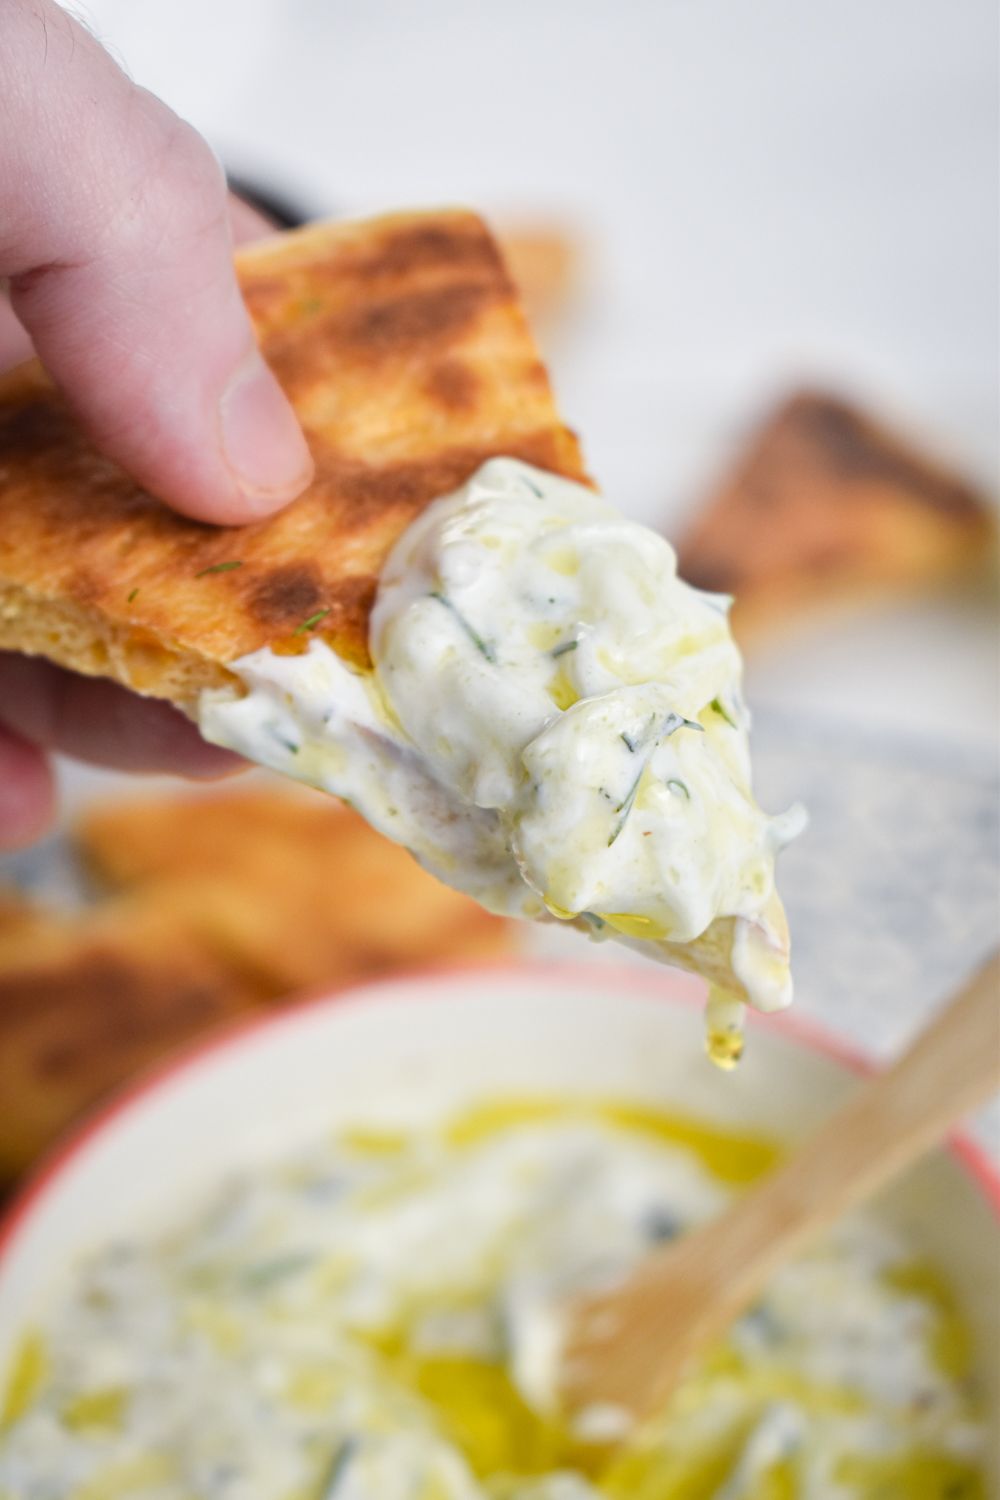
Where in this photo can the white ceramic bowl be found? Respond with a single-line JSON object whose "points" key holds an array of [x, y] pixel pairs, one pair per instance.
{"points": [[430, 1043]]}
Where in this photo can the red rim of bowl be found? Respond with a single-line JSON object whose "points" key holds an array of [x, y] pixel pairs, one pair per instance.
{"points": [[45, 1177]]}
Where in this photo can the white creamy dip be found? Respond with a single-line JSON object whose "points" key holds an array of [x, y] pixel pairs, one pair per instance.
{"points": [[553, 723], [367, 1320]]}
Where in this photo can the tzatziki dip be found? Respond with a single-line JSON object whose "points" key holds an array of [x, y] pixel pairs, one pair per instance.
{"points": [[552, 723], [370, 1318]]}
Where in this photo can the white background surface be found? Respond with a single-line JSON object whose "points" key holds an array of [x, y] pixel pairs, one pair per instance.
{"points": [[769, 191]]}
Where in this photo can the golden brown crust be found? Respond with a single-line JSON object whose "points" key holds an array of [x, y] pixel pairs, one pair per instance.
{"points": [[19, 918], [256, 873], [826, 506], [403, 348], [213, 905], [84, 1005]]}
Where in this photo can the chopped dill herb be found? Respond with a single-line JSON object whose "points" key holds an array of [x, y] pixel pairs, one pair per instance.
{"points": [[720, 708], [677, 721], [672, 722], [679, 788], [330, 1482], [562, 650], [532, 486], [660, 1226], [638, 741], [311, 623], [266, 1272], [223, 567], [593, 919], [624, 808], [481, 646], [289, 745], [131, 596], [670, 725]]}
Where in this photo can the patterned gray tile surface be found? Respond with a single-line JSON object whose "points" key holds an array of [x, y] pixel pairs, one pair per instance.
{"points": [[893, 892]]}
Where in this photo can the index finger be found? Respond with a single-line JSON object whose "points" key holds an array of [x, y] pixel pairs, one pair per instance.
{"points": [[115, 237]]}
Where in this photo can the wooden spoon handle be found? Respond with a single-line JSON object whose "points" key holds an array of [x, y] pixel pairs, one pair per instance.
{"points": [[953, 1066], [634, 1341]]}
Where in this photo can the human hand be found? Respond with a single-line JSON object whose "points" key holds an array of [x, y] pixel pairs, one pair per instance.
{"points": [[116, 237]]}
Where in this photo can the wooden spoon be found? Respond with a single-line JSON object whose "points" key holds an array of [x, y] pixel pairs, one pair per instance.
{"points": [[628, 1348]]}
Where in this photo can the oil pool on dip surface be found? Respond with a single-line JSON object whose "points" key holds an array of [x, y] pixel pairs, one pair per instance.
{"points": [[554, 724], [376, 1318]]}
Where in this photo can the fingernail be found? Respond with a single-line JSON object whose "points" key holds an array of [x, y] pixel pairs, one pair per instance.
{"points": [[261, 437]]}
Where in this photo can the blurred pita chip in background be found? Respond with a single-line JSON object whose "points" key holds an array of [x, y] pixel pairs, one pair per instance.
{"points": [[208, 907], [826, 510], [289, 887], [87, 1002]]}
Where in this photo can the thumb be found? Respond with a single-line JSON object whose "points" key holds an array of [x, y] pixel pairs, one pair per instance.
{"points": [[114, 235]]}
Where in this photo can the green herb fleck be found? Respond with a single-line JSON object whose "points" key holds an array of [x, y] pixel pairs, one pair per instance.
{"points": [[532, 486], [481, 646], [624, 808], [131, 596], [330, 1482], [311, 623], [286, 744], [670, 725], [637, 741], [223, 567], [672, 722], [677, 721], [562, 650], [719, 707], [679, 788], [267, 1272], [594, 920]]}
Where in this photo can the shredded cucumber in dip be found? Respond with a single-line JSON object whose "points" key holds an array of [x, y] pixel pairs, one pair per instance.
{"points": [[553, 723], [371, 1319]]}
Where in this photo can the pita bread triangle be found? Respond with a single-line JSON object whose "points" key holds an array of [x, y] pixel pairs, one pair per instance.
{"points": [[404, 350], [826, 510]]}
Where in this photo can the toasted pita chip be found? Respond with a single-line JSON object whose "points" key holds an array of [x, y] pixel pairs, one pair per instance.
{"points": [[215, 905], [84, 1005], [291, 889], [402, 346], [827, 509], [18, 916]]}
